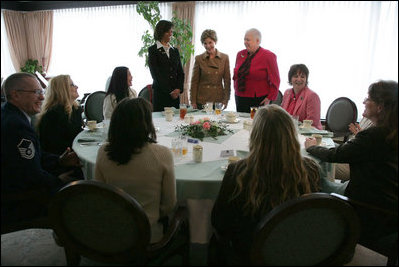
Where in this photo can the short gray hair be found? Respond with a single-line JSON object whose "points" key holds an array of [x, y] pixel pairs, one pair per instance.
{"points": [[15, 81], [256, 33]]}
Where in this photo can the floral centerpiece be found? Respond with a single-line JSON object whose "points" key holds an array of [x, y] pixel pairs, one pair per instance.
{"points": [[204, 128]]}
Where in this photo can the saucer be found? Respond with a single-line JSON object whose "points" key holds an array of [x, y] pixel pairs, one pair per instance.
{"points": [[235, 121], [87, 129]]}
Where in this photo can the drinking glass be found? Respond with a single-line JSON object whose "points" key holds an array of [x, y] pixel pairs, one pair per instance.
{"points": [[183, 111], [209, 107], [177, 147], [218, 108], [253, 111]]}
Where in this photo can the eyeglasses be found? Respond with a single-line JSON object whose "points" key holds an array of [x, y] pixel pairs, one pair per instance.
{"points": [[73, 85], [36, 92]]}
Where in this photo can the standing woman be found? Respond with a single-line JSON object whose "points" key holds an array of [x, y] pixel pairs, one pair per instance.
{"points": [[118, 89], [256, 76], [60, 119], [166, 68], [211, 74]]}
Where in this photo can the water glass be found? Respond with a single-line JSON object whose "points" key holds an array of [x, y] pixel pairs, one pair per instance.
{"points": [[177, 147], [218, 108], [208, 107]]}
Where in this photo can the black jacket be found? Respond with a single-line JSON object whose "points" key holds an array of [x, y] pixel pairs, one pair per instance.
{"points": [[167, 74], [57, 131]]}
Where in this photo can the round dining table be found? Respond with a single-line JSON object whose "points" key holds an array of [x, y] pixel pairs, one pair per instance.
{"points": [[197, 184]]}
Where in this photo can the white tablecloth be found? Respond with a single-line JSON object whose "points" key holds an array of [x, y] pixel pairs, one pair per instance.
{"points": [[197, 183]]}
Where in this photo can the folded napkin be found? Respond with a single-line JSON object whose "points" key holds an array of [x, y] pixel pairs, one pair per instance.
{"points": [[312, 130]]}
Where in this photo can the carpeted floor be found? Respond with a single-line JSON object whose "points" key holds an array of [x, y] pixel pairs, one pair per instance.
{"points": [[36, 247]]}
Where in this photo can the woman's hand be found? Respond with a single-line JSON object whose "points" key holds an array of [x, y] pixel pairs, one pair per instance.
{"points": [[311, 141], [175, 93], [354, 128], [265, 101], [69, 159]]}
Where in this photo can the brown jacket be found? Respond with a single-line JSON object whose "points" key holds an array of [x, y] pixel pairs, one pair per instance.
{"points": [[211, 79]]}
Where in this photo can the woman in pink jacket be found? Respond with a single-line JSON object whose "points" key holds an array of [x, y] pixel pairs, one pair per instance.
{"points": [[300, 100]]}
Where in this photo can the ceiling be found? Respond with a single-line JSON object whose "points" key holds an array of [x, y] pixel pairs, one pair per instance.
{"points": [[50, 5]]}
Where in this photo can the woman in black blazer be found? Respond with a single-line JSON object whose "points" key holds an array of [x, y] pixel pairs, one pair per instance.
{"points": [[166, 68]]}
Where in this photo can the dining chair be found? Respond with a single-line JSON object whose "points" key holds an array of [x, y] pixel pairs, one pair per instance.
{"points": [[24, 203], [386, 245], [93, 107], [103, 223], [278, 100], [147, 93], [341, 112], [313, 229]]}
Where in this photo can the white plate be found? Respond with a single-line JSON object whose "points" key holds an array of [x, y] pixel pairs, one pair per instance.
{"points": [[237, 120], [224, 168]]}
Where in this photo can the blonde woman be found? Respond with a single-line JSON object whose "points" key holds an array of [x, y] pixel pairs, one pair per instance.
{"points": [[273, 173], [60, 119], [211, 74]]}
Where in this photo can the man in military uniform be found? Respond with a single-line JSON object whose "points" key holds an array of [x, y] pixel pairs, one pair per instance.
{"points": [[24, 167]]}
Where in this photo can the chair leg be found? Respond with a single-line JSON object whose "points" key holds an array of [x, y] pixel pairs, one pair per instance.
{"points": [[72, 258]]}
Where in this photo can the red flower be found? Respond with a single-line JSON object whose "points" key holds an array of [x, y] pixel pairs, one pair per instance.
{"points": [[206, 125]]}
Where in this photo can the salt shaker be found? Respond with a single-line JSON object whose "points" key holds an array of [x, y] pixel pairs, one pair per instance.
{"points": [[197, 153]]}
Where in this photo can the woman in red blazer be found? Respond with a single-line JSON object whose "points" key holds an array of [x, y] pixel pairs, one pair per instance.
{"points": [[256, 76], [300, 100]]}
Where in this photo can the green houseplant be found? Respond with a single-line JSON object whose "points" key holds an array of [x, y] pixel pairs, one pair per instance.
{"points": [[31, 66], [182, 32]]}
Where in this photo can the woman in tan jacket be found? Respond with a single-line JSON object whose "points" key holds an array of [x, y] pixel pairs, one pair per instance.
{"points": [[134, 162], [211, 74]]}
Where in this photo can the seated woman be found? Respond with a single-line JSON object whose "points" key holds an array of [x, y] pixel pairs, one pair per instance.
{"points": [[118, 89], [300, 100], [60, 119], [132, 161], [252, 187], [373, 159]]}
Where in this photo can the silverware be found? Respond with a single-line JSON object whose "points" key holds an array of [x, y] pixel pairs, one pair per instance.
{"points": [[90, 144]]}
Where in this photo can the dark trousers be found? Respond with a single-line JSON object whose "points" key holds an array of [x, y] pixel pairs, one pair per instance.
{"points": [[244, 104]]}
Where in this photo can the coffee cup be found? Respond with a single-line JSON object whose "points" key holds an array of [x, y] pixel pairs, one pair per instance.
{"points": [[307, 123], [318, 137], [233, 159], [231, 117], [169, 115], [92, 125]]}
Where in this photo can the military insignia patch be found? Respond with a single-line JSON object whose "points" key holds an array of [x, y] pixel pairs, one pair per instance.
{"points": [[26, 149]]}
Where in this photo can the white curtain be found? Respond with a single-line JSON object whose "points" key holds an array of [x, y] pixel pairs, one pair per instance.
{"points": [[88, 43], [346, 45], [7, 67]]}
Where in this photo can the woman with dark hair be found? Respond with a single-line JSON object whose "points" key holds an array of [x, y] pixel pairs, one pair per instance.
{"points": [[300, 100], [118, 89], [132, 161], [373, 159], [274, 172], [166, 68]]}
